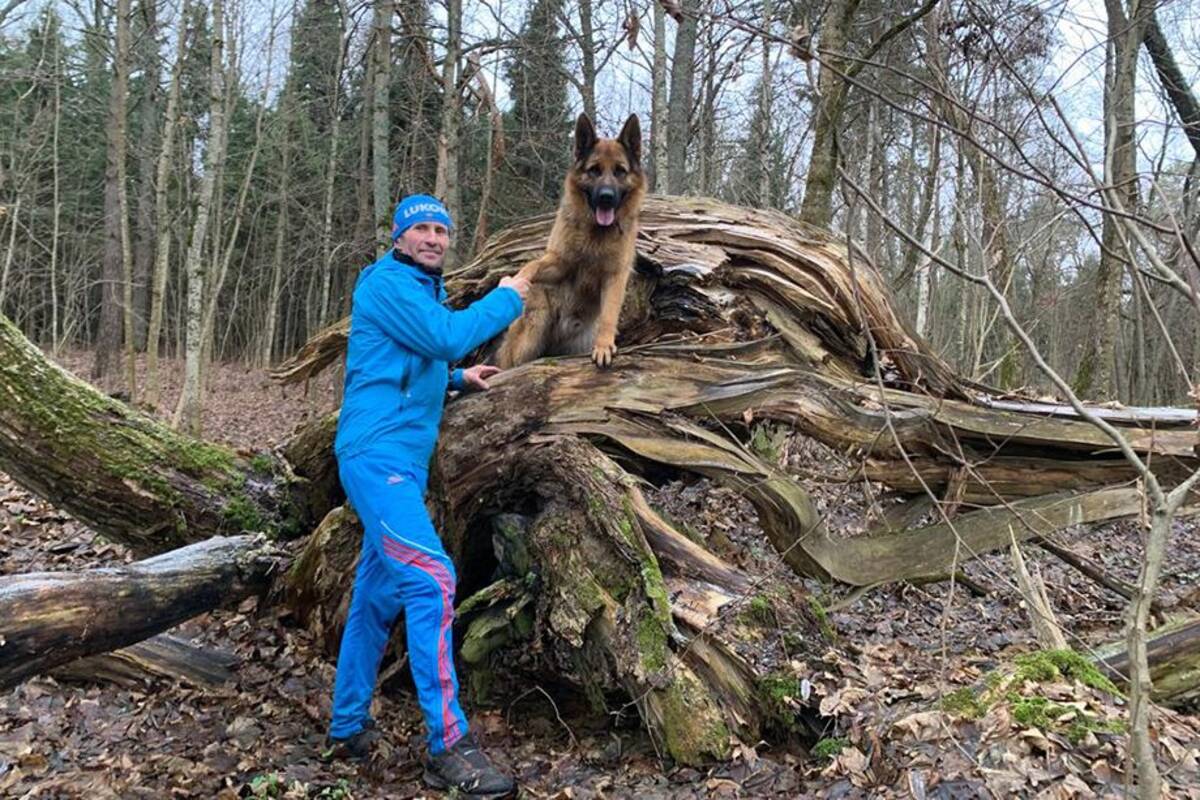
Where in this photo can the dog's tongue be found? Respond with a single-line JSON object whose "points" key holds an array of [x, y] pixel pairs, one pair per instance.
{"points": [[605, 216]]}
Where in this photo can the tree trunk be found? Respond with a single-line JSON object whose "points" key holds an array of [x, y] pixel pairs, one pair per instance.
{"points": [[930, 207], [116, 226], [52, 618], [161, 656], [764, 112], [120, 472], [658, 103], [446, 183], [817, 207], [1173, 653], [56, 211], [223, 257], [1094, 377], [381, 161], [267, 343], [187, 413], [364, 221], [143, 260], [495, 156], [335, 113], [679, 110], [11, 251], [1174, 83], [587, 52], [161, 211]]}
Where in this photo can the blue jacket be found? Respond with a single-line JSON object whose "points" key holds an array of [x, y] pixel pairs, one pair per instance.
{"points": [[401, 340]]}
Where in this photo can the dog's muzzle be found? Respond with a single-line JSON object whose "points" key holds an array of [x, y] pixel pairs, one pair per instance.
{"points": [[604, 202]]}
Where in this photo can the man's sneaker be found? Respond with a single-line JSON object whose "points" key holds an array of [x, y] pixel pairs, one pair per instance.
{"points": [[355, 747], [465, 767]]}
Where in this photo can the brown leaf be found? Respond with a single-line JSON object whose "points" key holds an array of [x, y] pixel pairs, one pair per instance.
{"points": [[631, 26]]}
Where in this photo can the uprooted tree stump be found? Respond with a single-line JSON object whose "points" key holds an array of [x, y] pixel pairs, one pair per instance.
{"points": [[736, 318]]}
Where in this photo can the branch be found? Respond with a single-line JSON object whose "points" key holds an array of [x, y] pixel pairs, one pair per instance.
{"points": [[1111, 432], [891, 33], [1177, 87]]}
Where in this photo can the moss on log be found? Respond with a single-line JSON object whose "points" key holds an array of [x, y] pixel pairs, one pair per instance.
{"points": [[122, 472]]}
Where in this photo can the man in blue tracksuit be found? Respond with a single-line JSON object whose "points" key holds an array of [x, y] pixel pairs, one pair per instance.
{"points": [[402, 339]]}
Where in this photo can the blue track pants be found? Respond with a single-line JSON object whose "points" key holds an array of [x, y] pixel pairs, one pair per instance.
{"points": [[403, 566]]}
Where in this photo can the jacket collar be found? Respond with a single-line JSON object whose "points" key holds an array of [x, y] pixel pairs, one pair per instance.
{"points": [[403, 258]]}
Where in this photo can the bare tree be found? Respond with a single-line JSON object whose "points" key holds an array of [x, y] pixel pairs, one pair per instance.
{"points": [[587, 49], [495, 154], [446, 184], [380, 159], [679, 112], [150, 113], [1125, 35], [166, 157], [187, 413], [658, 102], [116, 226], [335, 112], [836, 66]]}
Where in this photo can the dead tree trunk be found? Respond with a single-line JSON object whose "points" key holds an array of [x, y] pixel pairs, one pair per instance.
{"points": [[1174, 654], [51, 618], [124, 474]]}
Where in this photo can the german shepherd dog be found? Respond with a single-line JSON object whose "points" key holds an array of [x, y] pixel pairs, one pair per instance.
{"points": [[579, 284]]}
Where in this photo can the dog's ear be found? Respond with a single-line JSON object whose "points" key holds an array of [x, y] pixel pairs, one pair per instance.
{"points": [[585, 137], [631, 139]]}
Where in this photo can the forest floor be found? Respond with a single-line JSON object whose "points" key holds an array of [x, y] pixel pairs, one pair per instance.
{"points": [[900, 720]]}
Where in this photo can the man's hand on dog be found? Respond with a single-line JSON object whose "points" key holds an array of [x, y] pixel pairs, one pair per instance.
{"points": [[518, 284], [476, 377]]}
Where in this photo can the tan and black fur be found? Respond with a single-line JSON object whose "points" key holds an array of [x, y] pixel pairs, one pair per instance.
{"points": [[579, 284]]}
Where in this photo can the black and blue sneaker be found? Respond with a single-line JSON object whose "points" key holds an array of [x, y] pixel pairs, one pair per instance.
{"points": [[355, 747], [466, 769]]}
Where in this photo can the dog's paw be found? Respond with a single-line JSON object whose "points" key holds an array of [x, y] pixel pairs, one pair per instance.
{"points": [[602, 354]]}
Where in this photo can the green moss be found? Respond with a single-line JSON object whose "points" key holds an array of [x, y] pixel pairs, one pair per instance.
{"points": [[822, 617], [244, 514], [1036, 712], [767, 442], [1051, 665], [200, 457], [780, 686], [826, 749], [779, 690], [651, 644], [1011, 687], [759, 611], [1047, 715], [964, 702], [696, 732], [1078, 730], [261, 462]]}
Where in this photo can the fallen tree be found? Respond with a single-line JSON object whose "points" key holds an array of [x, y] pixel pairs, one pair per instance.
{"points": [[737, 318], [52, 618]]}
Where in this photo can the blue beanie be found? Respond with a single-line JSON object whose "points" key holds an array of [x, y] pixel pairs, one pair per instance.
{"points": [[418, 208]]}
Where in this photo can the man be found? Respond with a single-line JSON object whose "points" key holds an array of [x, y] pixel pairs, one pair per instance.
{"points": [[401, 340]]}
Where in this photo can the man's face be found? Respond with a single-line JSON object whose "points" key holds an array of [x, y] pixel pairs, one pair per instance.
{"points": [[425, 243]]}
